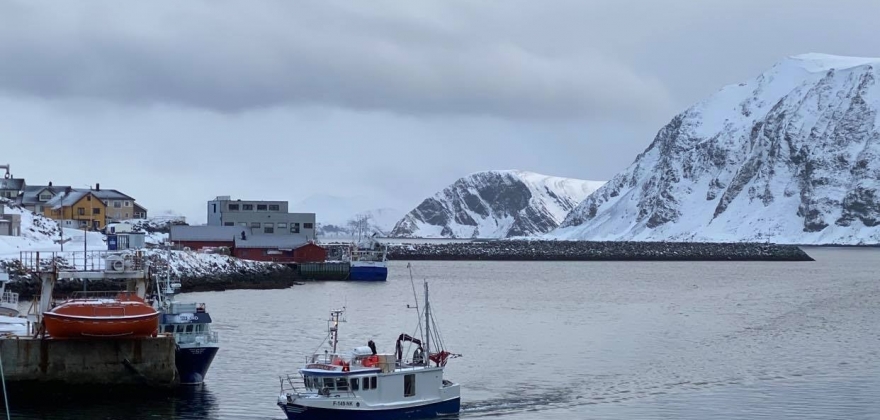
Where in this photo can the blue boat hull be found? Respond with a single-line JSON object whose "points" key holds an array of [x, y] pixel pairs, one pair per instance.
{"points": [[368, 273], [193, 363], [443, 408]]}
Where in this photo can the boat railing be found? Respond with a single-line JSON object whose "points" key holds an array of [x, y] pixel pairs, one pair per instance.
{"points": [[9, 298], [182, 308], [197, 337], [104, 294]]}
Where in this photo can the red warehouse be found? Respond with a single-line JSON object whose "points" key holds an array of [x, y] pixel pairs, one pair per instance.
{"points": [[281, 248]]}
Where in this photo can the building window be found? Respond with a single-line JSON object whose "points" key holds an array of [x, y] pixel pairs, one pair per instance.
{"points": [[230, 224], [255, 225], [45, 197], [96, 211], [294, 228], [268, 228], [409, 385], [127, 204], [308, 226], [243, 224], [118, 204], [126, 215], [274, 207], [261, 207], [282, 226], [233, 207], [247, 207], [81, 211]]}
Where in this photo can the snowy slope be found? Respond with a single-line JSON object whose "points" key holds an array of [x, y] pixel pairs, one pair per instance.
{"points": [[379, 221], [39, 233], [791, 156], [496, 204]]}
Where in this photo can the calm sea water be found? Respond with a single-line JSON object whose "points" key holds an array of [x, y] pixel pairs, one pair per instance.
{"points": [[565, 340]]}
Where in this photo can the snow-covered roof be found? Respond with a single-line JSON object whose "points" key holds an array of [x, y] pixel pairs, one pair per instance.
{"points": [[11, 184], [274, 241], [66, 199], [206, 233], [107, 194], [31, 194]]}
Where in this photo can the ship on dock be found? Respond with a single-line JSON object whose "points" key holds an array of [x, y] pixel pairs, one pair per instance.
{"points": [[368, 264]]}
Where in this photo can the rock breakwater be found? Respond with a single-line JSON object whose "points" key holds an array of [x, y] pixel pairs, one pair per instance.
{"points": [[597, 251]]}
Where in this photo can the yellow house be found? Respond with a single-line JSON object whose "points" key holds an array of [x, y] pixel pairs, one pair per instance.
{"points": [[77, 209]]}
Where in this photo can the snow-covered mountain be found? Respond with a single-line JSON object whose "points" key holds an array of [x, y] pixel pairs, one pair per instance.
{"points": [[334, 214], [791, 156], [496, 204]]}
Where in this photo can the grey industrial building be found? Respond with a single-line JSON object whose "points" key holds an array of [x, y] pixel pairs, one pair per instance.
{"points": [[260, 217]]}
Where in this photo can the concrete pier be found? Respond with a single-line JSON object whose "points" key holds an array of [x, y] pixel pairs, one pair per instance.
{"points": [[142, 361]]}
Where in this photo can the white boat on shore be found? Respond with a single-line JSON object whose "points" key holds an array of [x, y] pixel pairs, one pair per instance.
{"points": [[363, 384]]}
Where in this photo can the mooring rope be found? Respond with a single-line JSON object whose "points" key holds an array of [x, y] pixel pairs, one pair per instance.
{"points": [[5, 398]]}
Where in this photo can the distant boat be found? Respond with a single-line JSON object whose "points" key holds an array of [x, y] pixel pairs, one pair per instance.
{"points": [[368, 265], [363, 384], [88, 315]]}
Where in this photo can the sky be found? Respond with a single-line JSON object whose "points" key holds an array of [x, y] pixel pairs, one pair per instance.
{"points": [[379, 103]]}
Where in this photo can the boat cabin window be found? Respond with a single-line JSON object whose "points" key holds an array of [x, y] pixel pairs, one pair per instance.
{"points": [[409, 385], [341, 384], [328, 383], [355, 384], [369, 383]]}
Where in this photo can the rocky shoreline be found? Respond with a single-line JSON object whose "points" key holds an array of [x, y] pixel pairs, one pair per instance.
{"points": [[597, 251]]}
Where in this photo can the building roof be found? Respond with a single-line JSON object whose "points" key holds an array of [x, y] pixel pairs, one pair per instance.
{"points": [[16, 184], [107, 194], [138, 206], [66, 199], [31, 194], [206, 233], [271, 241]]}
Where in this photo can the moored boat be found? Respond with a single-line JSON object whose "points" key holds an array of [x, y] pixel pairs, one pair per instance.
{"points": [[190, 325], [123, 314], [368, 265], [8, 300], [364, 384]]}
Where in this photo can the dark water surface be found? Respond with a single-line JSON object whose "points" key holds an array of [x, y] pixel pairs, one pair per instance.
{"points": [[564, 340]]}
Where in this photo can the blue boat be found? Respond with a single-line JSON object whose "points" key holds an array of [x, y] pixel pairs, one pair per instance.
{"points": [[368, 265], [364, 384], [190, 325]]}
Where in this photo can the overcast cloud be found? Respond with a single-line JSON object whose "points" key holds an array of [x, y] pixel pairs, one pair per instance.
{"points": [[176, 102]]}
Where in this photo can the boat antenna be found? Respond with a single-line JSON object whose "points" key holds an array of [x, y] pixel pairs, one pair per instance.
{"points": [[427, 324], [412, 282]]}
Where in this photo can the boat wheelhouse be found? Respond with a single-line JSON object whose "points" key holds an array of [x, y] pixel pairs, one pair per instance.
{"points": [[368, 264], [365, 384], [8, 300]]}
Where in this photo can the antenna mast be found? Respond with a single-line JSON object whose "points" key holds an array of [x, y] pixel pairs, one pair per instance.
{"points": [[427, 325]]}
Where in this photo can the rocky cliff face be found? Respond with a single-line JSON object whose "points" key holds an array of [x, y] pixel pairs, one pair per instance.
{"points": [[495, 204], [792, 156]]}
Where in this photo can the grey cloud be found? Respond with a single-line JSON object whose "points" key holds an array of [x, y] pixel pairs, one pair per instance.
{"points": [[229, 57]]}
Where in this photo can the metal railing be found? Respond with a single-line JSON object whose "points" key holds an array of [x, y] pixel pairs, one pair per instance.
{"points": [[48, 261]]}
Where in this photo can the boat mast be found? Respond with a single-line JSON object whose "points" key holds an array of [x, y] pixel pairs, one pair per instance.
{"points": [[427, 325], [334, 330]]}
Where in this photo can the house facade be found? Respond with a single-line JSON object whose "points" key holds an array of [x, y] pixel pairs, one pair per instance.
{"points": [[10, 224], [140, 212], [119, 206], [260, 217], [80, 209]]}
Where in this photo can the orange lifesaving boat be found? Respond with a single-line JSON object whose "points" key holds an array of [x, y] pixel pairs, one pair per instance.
{"points": [[124, 315]]}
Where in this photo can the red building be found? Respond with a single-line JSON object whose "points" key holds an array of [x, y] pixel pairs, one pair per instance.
{"points": [[199, 237], [278, 248]]}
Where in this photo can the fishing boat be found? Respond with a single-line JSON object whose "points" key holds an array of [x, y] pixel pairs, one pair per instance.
{"points": [[368, 264], [190, 324], [363, 384], [103, 315]]}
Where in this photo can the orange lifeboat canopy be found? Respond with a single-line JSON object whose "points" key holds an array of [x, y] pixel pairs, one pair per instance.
{"points": [[121, 317]]}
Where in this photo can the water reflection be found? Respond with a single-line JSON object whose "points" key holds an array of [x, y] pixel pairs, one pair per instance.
{"points": [[120, 402]]}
